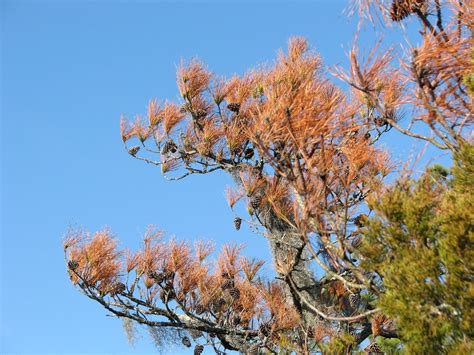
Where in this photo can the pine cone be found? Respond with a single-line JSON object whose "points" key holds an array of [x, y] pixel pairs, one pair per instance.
{"points": [[234, 107], [256, 201], [236, 320], [120, 287], [220, 302], [361, 220], [169, 284], [237, 223], [417, 5], [403, 8], [380, 121], [198, 349], [166, 295], [163, 294], [354, 300], [399, 10], [180, 297], [238, 308], [226, 275], [253, 350], [373, 348], [186, 342], [157, 277], [168, 275], [73, 264], [195, 334], [200, 114], [227, 284], [199, 309], [265, 329], [185, 108], [153, 275], [134, 150], [237, 150], [248, 154], [171, 295], [234, 293], [169, 147], [356, 242]]}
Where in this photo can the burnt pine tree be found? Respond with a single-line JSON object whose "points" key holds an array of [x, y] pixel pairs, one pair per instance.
{"points": [[304, 157]]}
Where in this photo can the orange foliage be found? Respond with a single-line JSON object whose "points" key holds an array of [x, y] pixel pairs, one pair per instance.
{"points": [[94, 260], [302, 152], [429, 79], [172, 115], [282, 314], [233, 196], [170, 270], [192, 79]]}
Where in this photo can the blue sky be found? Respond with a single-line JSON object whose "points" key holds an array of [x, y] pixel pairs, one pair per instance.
{"points": [[69, 69]]}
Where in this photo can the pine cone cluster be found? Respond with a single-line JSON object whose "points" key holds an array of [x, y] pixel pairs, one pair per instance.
{"points": [[403, 8]]}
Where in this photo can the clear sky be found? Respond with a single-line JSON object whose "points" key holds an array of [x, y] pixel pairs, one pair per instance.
{"points": [[69, 69]]}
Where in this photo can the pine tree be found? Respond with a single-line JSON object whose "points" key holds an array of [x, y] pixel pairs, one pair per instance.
{"points": [[304, 155], [421, 244]]}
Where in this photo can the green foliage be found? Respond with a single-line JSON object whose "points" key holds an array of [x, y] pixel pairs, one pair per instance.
{"points": [[469, 80], [389, 346], [438, 171], [339, 345], [421, 244]]}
